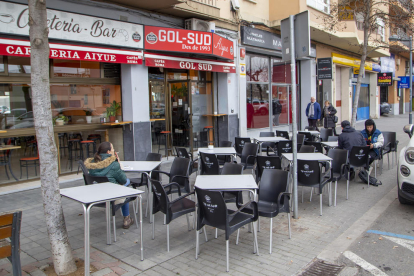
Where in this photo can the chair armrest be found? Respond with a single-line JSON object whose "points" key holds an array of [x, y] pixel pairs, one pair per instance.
{"points": [[267, 151], [173, 184], [250, 157], [280, 197], [396, 143], [168, 174], [181, 197], [254, 207], [179, 176]]}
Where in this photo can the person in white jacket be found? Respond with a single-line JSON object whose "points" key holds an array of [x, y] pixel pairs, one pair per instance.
{"points": [[374, 139]]}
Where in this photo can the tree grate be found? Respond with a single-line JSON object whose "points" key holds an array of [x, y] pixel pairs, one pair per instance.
{"points": [[320, 268]]}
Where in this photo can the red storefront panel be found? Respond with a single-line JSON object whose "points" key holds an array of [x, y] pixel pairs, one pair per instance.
{"points": [[222, 47]]}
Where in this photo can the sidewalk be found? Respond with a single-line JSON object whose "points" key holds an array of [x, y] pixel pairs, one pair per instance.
{"points": [[311, 233]]}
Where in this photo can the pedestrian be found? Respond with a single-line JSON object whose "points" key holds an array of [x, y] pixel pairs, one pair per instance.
{"points": [[106, 163], [328, 115], [277, 110], [374, 139], [313, 112]]}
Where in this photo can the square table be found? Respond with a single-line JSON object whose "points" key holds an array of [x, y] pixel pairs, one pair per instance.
{"points": [[331, 145], [261, 140], [145, 167], [91, 195]]}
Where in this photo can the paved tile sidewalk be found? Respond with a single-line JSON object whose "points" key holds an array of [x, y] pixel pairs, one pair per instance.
{"points": [[311, 233]]}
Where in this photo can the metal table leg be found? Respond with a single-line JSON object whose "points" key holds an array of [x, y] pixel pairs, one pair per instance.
{"points": [[86, 211], [140, 224], [149, 195], [108, 222]]}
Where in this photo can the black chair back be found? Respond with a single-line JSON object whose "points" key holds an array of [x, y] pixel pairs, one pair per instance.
{"points": [[180, 167], [212, 209], [84, 169], [267, 134], [308, 172], [332, 138], [232, 169], [209, 164], [339, 157], [89, 179], [284, 147], [154, 157], [161, 199], [272, 183], [390, 139], [359, 157], [240, 142], [182, 152], [325, 133], [310, 128], [307, 149], [266, 162], [225, 144], [308, 136], [249, 149], [317, 145], [284, 134], [301, 139]]}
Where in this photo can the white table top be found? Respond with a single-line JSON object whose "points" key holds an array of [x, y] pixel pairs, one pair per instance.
{"points": [[313, 132], [307, 156], [226, 182], [270, 139], [218, 150], [332, 144], [139, 166], [99, 192]]}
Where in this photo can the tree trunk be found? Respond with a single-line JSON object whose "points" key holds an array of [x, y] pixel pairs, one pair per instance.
{"points": [[61, 251], [368, 5]]}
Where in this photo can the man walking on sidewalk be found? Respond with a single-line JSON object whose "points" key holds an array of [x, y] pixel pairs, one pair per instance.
{"points": [[313, 112]]}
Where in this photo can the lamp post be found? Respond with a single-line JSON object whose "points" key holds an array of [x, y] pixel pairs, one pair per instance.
{"points": [[410, 40]]}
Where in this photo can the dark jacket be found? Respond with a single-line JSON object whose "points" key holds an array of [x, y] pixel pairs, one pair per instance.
{"points": [[317, 111], [328, 120], [377, 139], [108, 167], [350, 138]]}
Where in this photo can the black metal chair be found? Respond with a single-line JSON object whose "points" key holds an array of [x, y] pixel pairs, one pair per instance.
{"points": [[317, 145], [339, 161], [89, 180], [300, 140], [183, 153], [224, 158], [248, 156], [333, 138], [273, 198], [266, 162], [310, 175], [282, 147], [284, 134], [178, 174], [5, 160], [171, 209], [209, 164], [212, 211], [308, 136], [358, 157], [267, 144], [239, 144], [306, 149], [390, 145], [325, 133], [10, 225]]}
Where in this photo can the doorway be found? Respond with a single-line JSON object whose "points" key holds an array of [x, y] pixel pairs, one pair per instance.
{"points": [[179, 115], [363, 102]]}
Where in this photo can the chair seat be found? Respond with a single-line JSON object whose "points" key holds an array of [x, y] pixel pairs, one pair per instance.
{"points": [[265, 209], [183, 204], [239, 219], [87, 142], [208, 127], [29, 158], [165, 132]]}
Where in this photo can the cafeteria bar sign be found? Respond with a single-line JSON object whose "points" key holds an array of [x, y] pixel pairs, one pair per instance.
{"points": [[385, 79]]}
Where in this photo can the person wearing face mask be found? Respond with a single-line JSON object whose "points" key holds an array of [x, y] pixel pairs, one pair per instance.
{"points": [[313, 112], [328, 114], [106, 163], [374, 139]]}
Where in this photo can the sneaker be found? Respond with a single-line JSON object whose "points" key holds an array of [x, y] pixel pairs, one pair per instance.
{"points": [[128, 221]]}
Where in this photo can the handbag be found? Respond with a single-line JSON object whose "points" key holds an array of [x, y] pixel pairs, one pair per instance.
{"points": [[335, 119]]}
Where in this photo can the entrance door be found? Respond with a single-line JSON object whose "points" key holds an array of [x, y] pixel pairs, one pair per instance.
{"points": [[281, 104], [180, 119], [363, 102]]}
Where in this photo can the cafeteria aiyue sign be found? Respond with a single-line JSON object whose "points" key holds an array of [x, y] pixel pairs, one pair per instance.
{"points": [[187, 41], [14, 19]]}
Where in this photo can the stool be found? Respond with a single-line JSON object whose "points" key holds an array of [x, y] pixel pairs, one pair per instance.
{"points": [[29, 162], [75, 135], [86, 144], [75, 151], [165, 133], [95, 138], [208, 128], [62, 146], [30, 144]]}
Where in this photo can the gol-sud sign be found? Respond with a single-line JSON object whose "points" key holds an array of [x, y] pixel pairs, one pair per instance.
{"points": [[345, 13]]}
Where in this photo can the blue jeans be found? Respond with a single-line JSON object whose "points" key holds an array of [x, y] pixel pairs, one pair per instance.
{"points": [[125, 208]]}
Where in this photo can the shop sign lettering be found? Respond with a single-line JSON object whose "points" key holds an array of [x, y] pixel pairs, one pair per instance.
{"points": [[385, 79], [188, 65], [14, 19]]}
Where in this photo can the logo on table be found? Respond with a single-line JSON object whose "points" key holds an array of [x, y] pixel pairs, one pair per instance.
{"points": [[151, 38]]}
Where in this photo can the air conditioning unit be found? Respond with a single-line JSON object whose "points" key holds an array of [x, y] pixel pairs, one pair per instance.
{"points": [[200, 25]]}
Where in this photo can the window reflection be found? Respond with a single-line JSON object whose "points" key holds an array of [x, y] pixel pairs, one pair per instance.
{"points": [[19, 65], [76, 69], [257, 105], [2, 67], [258, 69]]}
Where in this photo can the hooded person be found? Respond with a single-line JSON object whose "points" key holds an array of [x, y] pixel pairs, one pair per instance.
{"points": [[373, 138], [350, 137]]}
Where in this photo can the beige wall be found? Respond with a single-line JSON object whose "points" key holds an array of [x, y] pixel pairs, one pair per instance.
{"points": [[249, 11], [278, 13]]}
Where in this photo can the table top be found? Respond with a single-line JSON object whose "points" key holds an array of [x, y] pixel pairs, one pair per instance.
{"points": [[310, 131], [214, 115], [307, 156], [226, 182], [99, 192], [332, 144], [9, 147], [140, 166], [270, 139], [218, 150]]}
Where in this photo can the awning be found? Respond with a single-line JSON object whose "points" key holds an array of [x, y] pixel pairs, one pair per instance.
{"points": [[21, 48], [174, 62]]}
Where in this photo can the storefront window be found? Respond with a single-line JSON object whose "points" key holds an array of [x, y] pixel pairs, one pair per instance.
{"points": [[258, 69], [257, 105], [19, 65], [2, 67], [76, 69]]}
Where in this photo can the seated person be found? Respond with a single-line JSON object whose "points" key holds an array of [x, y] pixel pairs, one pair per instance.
{"points": [[374, 139], [350, 137], [106, 163]]}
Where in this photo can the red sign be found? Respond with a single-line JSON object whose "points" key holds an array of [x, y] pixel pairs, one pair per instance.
{"points": [[187, 41], [152, 60], [242, 53], [10, 47]]}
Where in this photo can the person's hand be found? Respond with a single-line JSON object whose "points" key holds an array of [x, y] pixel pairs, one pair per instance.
{"points": [[117, 157], [371, 146]]}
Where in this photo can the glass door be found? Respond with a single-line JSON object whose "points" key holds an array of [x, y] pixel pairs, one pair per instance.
{"points": [[280, 104], [180, 119]]}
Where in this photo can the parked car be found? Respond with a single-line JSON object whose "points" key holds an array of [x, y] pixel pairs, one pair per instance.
{"points": [[261, 107], [385, 108], [405, 170], [11, 117]]}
